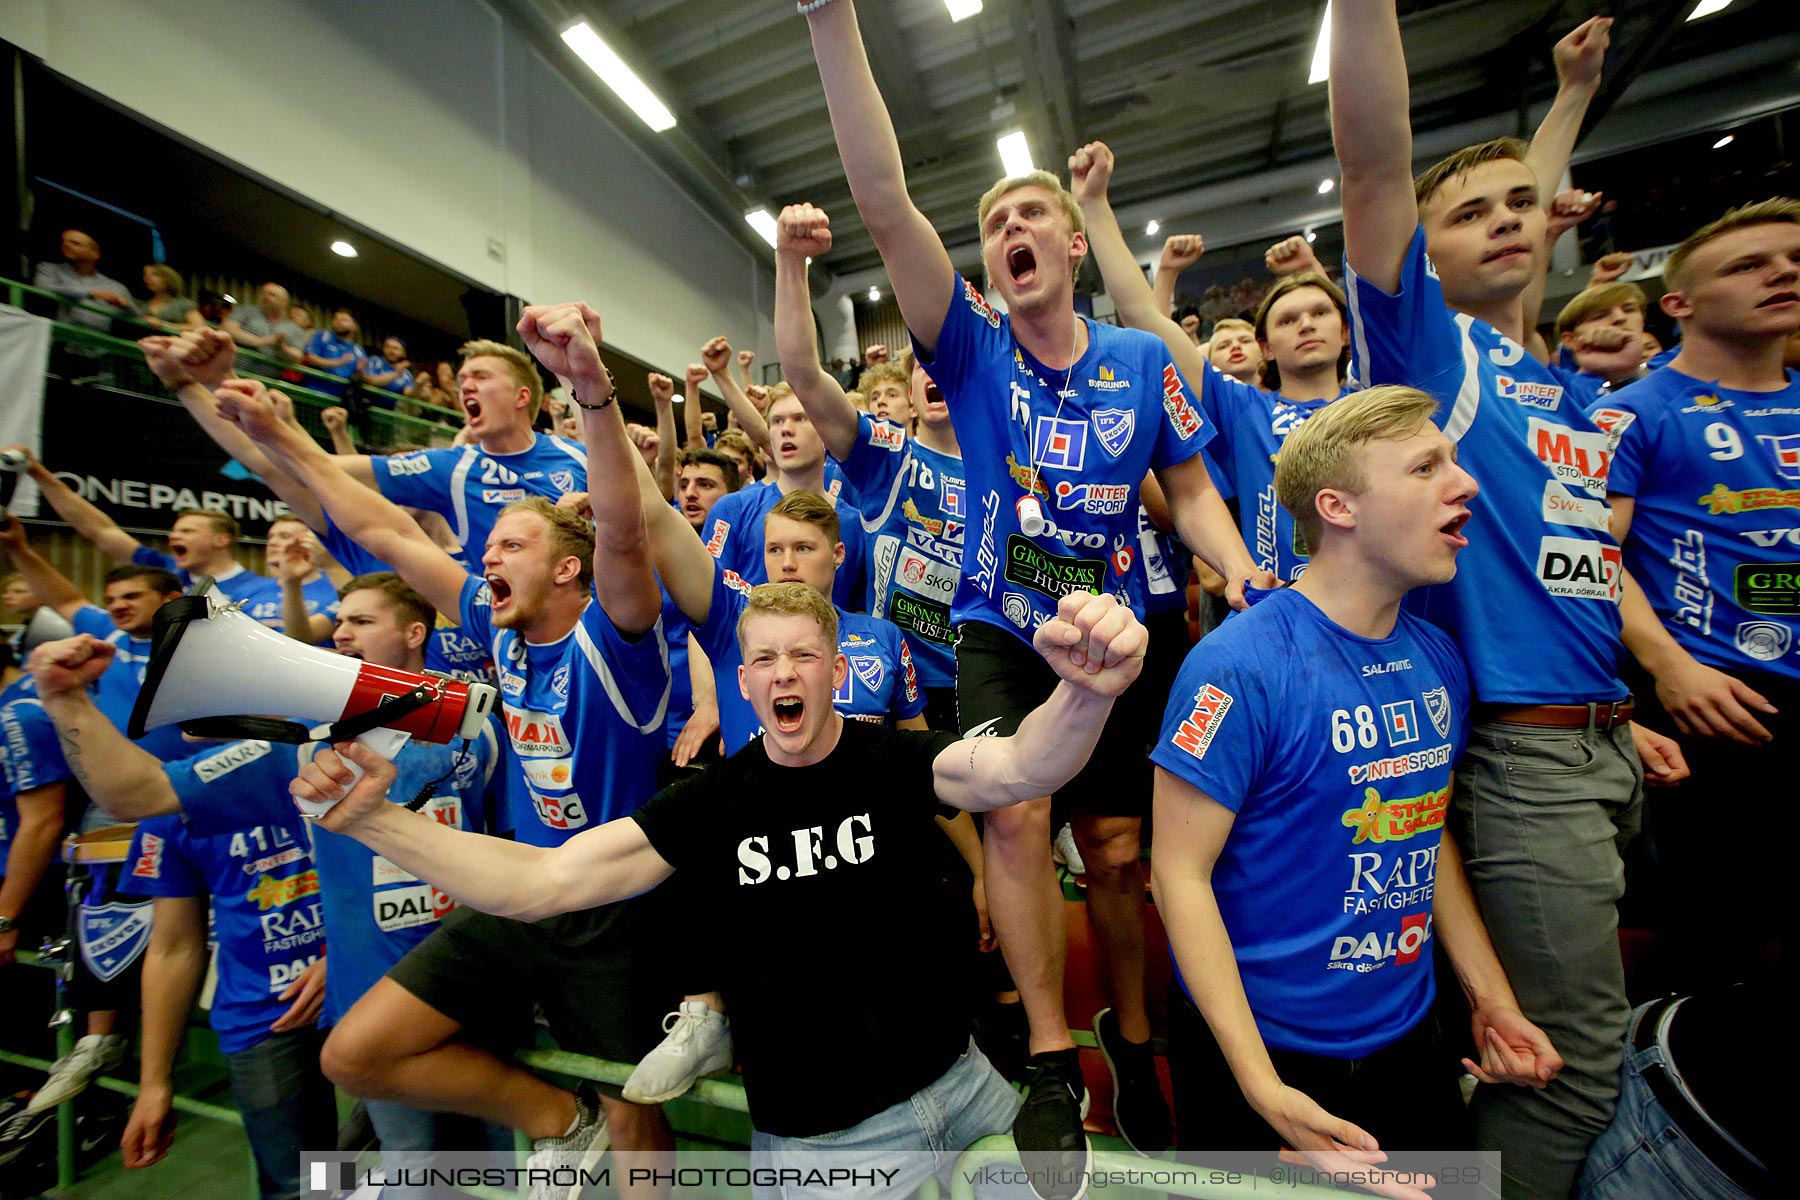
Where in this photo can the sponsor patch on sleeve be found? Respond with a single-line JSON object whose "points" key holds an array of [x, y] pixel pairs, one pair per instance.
{"points": [[1196, 731]]}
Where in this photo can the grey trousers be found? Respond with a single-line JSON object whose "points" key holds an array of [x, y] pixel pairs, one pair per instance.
{"points": [[1541, 816]]}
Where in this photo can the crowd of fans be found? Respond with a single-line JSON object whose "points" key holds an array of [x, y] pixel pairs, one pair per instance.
{"points": [[1488, 587]]}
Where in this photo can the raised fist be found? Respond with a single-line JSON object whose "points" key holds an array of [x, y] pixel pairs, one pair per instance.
{"points": [[159, 356], [335, 419], [1090, 170], [246, 403], [758, 395], [1291, 256], [1569, 209], [206, 355], [716, 354], [802, 230], [662, 389], [70, 664], [566, 339], [745, 358], [1610, 267], [1604, 339], [1180, 252], [697, 374], [1580, 56], [877, 353]]}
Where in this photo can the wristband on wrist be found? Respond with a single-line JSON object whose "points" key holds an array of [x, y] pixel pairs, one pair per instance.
{"points": [[579, 403]]}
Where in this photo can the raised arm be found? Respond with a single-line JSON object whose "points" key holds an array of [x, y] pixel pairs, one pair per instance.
{"points": [[1179, 253], [916, 261], [120, 776], [296, 564], [87, 521], [50, 584], [1579, 59], [716, 357], [662, 394], [804, 231], [367, 517], [505, 878], [566, 339], [1096, 647], [693, 420], [1372, 131]]}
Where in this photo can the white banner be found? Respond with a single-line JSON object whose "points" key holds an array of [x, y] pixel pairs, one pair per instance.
{"points": [[1645, 263], [24, 357]]}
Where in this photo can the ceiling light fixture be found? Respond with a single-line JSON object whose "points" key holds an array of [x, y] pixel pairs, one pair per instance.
{"points": [[1152, 228], [1725, 141], [874, 295], [1321, 59], [1311, 235], [1707, 8], [1015, 154], [343, 249], [605, 62], [1325, 185], [763, 222], [962, 10]]}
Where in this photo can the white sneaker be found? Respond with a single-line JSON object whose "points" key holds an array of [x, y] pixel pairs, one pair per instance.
{"points": [[76, 1069], [578, 1151], [1063, 851], [699, 1043]]}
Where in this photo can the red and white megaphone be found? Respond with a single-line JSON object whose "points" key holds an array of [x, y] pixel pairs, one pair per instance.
{"points": [[211, 666]]}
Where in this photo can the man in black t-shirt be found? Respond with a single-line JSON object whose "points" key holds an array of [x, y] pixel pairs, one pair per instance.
{"points": [[819, 837]]}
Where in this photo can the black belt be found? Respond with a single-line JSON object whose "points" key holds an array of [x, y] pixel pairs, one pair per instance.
{"points": [[1706, 1134]]}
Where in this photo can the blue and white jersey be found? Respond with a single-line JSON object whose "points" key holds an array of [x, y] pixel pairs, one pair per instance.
{"points": [[914, 510], [1339, 777], [1715, 528], [326, 344], [238, 585], [468, 487], [881, 686], [676, 627], [376, 364], [116, 692], [584, 715], [450, 650], [734, 536], [1541, 563], [1080, 441], [265, 911], [374, 911], [1249, 427], [1579, 386], [321, 597], [9, 807], [30, 756]]}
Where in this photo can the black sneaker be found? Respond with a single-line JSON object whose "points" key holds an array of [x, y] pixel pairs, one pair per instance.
{"points": [[1052, 1144], [1139, 1108]]}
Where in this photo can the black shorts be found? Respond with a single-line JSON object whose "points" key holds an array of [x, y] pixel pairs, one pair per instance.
{"points": [[597, 975], [940, 708], [1000, 679]]}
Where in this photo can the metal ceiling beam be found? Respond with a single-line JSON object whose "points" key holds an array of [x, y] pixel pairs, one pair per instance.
{"points": [[1645, 47], [1046, 29], [890, 59]]}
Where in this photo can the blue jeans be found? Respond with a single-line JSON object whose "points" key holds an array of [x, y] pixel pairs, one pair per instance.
{"points": [[411, 1136], [917, 1138], [1644, 1153], [1541, 816], [287, 1104]]}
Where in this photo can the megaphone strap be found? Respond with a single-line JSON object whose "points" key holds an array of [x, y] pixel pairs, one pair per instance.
{"points": [[385, 713], [262, 729]]}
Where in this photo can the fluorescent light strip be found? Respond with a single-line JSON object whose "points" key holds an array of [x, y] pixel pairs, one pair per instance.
{"points": [[962, 10], [606, 63], [1707, 8], [763, 222], [1321, 59], [1015, 154]]}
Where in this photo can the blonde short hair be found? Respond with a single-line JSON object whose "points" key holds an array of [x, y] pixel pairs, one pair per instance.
{"points": [[810, 508], [570, 535], [518, 364], [1462, 162], [1325, 452], [1224, 323], [790, 600], [1597, 302], [885, 372], [1776, 210], [1043, 179]]}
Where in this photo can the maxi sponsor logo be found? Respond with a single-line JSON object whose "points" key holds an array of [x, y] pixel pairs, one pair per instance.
{"points": [[1182, 415], [1377, 820], [1195, 733], [1051, 574], [1574, 456], [1398, 765], [536, 734]]}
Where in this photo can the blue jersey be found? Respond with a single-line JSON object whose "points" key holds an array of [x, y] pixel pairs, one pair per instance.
{"points": [[29, 753], [326, 344], [241, 586], [1071, 439], [375, 911], [262, 881], [734, 535], [1339, 776], [321, 597], [9, 806], [914, 510], [681, 688], [116, 691], [468, 487], [376, 364], [1715, 528], [881, 686], [584, 715], [1540, 563], [1249, 427], [449, 651]]}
